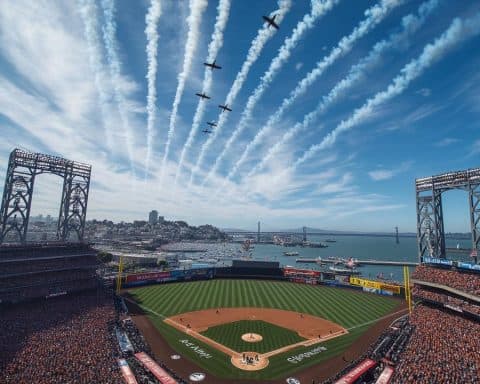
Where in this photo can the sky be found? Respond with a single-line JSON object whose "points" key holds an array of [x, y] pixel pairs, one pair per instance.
{"points": [[333, 115]]}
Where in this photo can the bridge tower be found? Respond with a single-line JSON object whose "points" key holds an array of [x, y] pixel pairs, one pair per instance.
{"points": [[304, 234], [397, 240], [23, 168], [430, 227], [258, 232]]}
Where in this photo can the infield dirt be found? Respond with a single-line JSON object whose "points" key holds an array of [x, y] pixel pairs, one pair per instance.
{"points": [[184, 367], [307, 326]]}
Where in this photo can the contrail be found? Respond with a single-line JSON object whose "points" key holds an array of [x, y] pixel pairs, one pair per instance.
{"points": [[88, 11], [373, 15], [215, 45], [458, 31], [109, 31], [264, 34], [410, 24], [197, 7], [151, 33]]}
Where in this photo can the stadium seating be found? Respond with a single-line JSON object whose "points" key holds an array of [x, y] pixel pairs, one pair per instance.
{"points": [[443, 348], [62, 340], [45, 269], [443, 298], [463, 281]]}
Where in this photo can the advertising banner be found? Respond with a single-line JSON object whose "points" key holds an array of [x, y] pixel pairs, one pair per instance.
{"points": [[123, 341], [380, 286], [301, 272], [385, 376], [434, 260], [127, 373], [356, 372], [471, 267], [156, 370], [147, 276]]}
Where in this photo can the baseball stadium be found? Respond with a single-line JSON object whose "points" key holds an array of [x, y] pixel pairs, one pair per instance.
{"points": [[256, 173]]}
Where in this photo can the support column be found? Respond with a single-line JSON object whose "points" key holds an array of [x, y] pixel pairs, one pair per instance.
{"points": [[474, 203], [64, 205], [16, 202], [425, 222], [73, 210], [439, 226]]}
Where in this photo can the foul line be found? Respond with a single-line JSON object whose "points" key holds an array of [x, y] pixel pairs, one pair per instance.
{"points": [[378, 319]]}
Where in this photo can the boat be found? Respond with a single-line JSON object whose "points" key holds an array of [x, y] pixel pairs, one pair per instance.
{"points": [[314, 245], [330, 241], [291, 253]]}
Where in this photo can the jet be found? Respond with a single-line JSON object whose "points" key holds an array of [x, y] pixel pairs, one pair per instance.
{"points": [[212, 65], [271, 21], [202, 95], [206, 131], [211, 123], [224, 108]]}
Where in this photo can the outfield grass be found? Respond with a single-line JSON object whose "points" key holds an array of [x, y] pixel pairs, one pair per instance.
{"points": [[274, 337], [348, 308]]}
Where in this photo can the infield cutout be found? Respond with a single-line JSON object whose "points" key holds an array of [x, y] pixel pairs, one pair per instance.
{"points": [[312, 328], [252, 337]]}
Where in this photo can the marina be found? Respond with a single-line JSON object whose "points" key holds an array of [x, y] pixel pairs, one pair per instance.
{"points": [[358, 262]]}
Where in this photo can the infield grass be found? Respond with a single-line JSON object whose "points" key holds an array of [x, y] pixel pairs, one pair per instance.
{"points": [[355, 311], [274, 337]]}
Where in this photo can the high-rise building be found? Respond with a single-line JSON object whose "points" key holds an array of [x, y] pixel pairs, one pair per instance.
{"points": [[153, 217]]}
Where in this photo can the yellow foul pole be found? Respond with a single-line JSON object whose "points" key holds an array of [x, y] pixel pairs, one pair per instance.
{"points": [[408, 293]]}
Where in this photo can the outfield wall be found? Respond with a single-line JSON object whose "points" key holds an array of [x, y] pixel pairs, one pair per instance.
{"points": [[294, 275]]}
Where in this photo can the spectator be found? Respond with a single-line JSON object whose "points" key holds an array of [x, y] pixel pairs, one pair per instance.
{"points": [[467, 282], [443, 348], [62, 340]]}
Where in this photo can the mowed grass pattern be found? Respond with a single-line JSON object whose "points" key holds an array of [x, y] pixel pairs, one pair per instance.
{"points": [[348, 308], [274, 336]]}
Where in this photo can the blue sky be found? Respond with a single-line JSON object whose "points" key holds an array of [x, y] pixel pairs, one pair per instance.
{"points": [[334, 115]]}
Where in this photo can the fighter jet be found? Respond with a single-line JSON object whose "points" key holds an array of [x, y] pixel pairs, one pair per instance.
{"points": [[202, 95], [224, 108], [212, 65], [206, 131], [211, 123], [271, 21]]}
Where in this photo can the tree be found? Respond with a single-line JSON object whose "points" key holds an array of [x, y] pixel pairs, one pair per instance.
{"points": [[104, 257]]}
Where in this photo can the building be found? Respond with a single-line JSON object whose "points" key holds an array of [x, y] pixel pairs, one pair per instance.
{"points": [[153, 217]]}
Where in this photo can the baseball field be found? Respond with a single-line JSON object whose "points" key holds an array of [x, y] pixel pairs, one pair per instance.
{"points": [[252, 329]]}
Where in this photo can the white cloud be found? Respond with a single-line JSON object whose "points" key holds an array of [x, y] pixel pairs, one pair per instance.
{"points": [[385, 174], [425, 92], [298, 66], [475, 150], [445, 142]]}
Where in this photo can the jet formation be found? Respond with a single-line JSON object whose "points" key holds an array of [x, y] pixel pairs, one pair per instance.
{"points": [[213, 65]]}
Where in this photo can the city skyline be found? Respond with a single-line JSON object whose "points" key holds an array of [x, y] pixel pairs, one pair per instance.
{"points": [[333, 116]]}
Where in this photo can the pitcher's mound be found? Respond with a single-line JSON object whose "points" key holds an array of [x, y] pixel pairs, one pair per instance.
{"points": [[252, 337], [249, 361]]}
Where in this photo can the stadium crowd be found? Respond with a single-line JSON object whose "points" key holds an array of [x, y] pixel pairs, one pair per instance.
{"points": [[467, 282], [139, 345], [385, 351], [443, 298], [443, 348], [63, 340]]}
